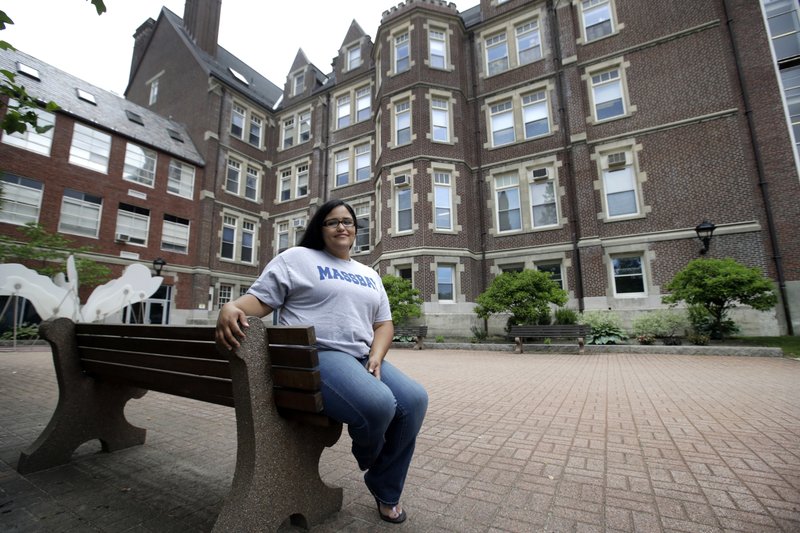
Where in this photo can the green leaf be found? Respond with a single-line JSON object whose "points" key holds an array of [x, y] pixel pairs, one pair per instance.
{"points": [[100, 6]]}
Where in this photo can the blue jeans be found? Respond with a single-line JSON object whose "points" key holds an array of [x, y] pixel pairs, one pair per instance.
{"points": [[383, 418]]}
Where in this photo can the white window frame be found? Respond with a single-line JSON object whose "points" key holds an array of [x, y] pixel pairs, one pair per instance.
{"points": [[614, 182], [437, 48], [298, 84], [500, 63], [362, 242], [401, 51], [175, 232], [354, 57], [140, 165], [252, 182], [505, 183], [295, 129], [39, 143], [534, 105], [443, 200], [293, 181], [282, 236], [453, 272], [255, 134], [363, 103], [20, 195], [613, 265], [238, 120], [603, 84], [528, 31], [539, 177], [591, 8], [343, 111], [342, 168], [401, 121], [133, 221], [78, 207], [405, 194], [180, 181], [440, 118], [242, 235], [561, 279], [502, 111], [153, 96], [90, 148]]}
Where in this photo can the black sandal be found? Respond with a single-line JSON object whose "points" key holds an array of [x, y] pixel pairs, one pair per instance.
{"points": [[400, 518]]}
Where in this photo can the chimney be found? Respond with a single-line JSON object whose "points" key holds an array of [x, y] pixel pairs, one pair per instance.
{"points": [[201, 20], [140, 39]]}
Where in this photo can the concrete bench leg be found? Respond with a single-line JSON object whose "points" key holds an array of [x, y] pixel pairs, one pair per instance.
{"points": [[86, 409], [518, 345], [277, 462], [418, 343]]}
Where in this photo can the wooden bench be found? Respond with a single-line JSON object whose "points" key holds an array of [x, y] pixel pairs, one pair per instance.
{"points": [[272, 380], [418, 332], [572, 331]]}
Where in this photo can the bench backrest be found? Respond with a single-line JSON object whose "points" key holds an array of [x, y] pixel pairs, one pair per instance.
{"points": [[184, 361], [421, 331], [558, 330]]}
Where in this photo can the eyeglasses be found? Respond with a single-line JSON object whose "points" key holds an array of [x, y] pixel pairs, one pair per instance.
{"points": [[334, 222]]}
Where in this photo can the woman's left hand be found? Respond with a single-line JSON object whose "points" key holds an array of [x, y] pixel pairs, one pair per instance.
{"points": [[374, 365]]}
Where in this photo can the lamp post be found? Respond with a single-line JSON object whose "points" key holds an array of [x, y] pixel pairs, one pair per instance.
{"points": [[704, 232], [158, 264]]}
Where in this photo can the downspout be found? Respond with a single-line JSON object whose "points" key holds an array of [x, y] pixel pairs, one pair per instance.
{"points": [[569, 178], [325, 138], [479, 163], [762, 182]]}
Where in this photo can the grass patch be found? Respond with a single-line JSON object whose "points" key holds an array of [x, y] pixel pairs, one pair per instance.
{"points": [[789, 345]]}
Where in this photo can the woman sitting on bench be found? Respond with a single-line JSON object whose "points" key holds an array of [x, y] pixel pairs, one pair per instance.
{"points": [[317, 283]]}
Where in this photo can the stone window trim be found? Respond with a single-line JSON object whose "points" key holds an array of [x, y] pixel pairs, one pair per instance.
{"points": [[430, 27], [352, 93], [354, 150], [363, 209], [291, 224], [396, 32], [245, 166], [615, 24], [406, 97], [600, 156], [241, 223], [451, 111], [620, 64], [294, 169], [458, 271], [631, 250], [508, 27], [455, 199], [397, 172], [250, 117], [517, 98], [295, 117]]}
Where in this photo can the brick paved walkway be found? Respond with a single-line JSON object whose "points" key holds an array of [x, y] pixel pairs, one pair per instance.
{"points": [[512, 443]]}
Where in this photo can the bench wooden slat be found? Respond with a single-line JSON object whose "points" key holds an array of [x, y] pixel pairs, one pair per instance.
{"points": [[291, 335], [298, 401], [292, 378], [205, 388], [177, 348], [184, 365], [293, 356], [549, 331], [196, 333]]}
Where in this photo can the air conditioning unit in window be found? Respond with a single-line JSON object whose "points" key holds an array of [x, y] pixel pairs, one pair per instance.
{"points": [[617, 160], [538, 173], [399, 181], [299, 223], [121, 237]]}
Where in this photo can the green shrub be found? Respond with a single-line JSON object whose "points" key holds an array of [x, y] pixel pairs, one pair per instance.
{"points": [[703, 323], [24, 332], [479, 334], [699, 339], [525, 295], [661, 324], [606, 327], [566, 316], [439, 338], [645, 339], [544, 318], [404, 299]]}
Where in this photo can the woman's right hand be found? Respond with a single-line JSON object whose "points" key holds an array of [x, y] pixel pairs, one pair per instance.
{"points": [[231, 323]]}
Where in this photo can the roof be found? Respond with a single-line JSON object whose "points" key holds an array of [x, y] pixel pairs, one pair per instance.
{"points": [[109, 111], [257, 87], [472, 16]]}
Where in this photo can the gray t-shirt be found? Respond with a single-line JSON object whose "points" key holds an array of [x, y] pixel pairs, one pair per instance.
{"points": [[341, 299]]}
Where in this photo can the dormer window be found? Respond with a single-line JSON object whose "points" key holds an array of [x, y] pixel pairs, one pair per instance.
{"points": [[174, 135], [29, 71], [354, 57], [134, 117], [85, 96], [239, 76], [299, 84]]}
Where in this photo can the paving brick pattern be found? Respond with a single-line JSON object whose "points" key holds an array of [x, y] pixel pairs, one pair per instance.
{"points": [[512, 443]]}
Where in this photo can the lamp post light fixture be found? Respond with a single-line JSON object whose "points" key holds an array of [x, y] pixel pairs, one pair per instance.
{"points": [[704, 232], [158, 264]]}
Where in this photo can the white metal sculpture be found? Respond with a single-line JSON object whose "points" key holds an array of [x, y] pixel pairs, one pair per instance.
{"points": [[58, 297]]}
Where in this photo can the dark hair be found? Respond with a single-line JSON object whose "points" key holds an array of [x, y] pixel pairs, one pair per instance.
{"points": [[313, 235]]}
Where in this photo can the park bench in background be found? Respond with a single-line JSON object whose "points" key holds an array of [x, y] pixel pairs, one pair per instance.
{"points": [[570, 331], [418, 332], [272, 380]]}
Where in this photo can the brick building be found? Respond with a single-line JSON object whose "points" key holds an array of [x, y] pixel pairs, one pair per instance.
{"points": [[586, 138], [109, 175]]}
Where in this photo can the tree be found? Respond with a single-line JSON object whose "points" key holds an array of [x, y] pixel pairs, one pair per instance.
{"points": [[719, 285], [526, 295], [47, 253], [403, 299], [21, 115]]}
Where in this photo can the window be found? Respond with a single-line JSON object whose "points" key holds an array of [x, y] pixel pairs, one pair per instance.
{"points": [[286, 185], [39, 143], [440, 119], [502, 117], [175, 234], [342, 168], [516, 267], [437, 49], [529, 45], [405, 272], [86, 96], [355, 157], [80, 213], [153, 92], [543, 199], [302, 181], [509, 214], [363, 162], [283, 236], [133, 224], [402, 120], [496, 54], [140, 165], [224, 294], [403, 208], [238, 117], [90, 148], [402, 60], [554, 269], [363, 104], [181, 179], [628, 275], [790, 78], [293, 182], [256, 124], [535, 114], [292, 135], [607, 95], [362, 233], [247, 187], [443, 199], [288, 132], [783, 20], [238, 239], [354, 57], [619, 185], [343, 111], [233, 176], [21, 199], [299, 84], [596, 15], [251, 183], [445, 279], [136, 118]]}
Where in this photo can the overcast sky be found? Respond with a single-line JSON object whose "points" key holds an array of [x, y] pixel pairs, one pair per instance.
{"points": [[69, 35]]}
